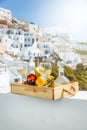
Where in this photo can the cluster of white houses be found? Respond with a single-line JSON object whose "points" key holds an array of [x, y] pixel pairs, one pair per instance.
{"points": [[5, 14], [29, 41]]}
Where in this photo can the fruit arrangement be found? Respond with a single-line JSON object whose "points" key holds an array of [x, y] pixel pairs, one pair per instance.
{"points": [[37, 79]]}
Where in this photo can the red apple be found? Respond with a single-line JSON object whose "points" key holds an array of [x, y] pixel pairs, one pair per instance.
{"points": [[31, 77]]}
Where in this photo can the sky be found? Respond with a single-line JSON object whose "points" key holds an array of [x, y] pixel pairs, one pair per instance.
{"points": [[66, 15]]}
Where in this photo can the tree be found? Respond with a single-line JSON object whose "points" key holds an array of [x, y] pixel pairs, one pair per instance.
{"points": [[14, 21]]}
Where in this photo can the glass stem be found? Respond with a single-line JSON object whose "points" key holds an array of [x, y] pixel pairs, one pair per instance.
{"points": [[22, 78]]}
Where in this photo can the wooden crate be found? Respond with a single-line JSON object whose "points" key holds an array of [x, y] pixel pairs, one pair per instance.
{"points": [[52, 93]]}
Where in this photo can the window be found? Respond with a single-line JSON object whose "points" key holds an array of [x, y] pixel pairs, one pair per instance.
{"points": [[32, 40], [8, 32], [37, 46], [29, 53], [36, 39], [21, 46], [16, 46], [25, 39], [28, 45], [19, 33], [46, 52], [25, 45], [28, 39], [0, 40]]}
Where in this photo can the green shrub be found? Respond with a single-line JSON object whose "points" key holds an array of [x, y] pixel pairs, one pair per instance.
{"points": [[79, 74], [55, 71]]}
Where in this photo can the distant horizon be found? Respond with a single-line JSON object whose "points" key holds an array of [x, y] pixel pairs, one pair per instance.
{"points": [[67, 15]]}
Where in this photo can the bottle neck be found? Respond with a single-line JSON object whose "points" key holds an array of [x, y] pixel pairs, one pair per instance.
{"points": [[61, 71]]}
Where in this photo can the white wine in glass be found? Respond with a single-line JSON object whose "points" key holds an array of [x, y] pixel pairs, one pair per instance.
{"points": [[45, 69], [23, 69], [23, 72]]}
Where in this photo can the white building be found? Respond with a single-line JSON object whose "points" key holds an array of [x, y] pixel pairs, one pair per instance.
{"points": [[5, 40], [36, 31], [46, 47], [4, 79], [5, 14], [19, 40], [33, 27], [17, 37], [81, 46], [32, 52], [28, 39]]}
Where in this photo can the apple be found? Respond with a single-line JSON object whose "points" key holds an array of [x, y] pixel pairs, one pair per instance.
{"points": [[31, 82], [31, 79]]}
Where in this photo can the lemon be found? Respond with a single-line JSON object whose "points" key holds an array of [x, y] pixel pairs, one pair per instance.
{"points": [[51, 78], [40, 81]]}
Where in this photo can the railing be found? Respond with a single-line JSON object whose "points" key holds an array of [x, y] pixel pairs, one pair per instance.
{"points": [[3, 68]]}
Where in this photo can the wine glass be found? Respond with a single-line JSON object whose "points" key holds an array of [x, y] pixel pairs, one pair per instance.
{"points": [[23, 69], [45, 69]]}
